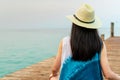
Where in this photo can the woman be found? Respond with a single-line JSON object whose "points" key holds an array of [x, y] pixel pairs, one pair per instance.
{"points": [[83, 56]]}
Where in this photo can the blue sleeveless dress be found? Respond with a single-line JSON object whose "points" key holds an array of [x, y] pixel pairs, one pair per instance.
{"points": [[79, 70]]}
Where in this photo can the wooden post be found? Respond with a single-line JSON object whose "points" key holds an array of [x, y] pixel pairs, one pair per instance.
{"points": [[112, 29], [102, 37]]}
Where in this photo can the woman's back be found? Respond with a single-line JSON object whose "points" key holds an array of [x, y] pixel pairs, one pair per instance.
{"points": [[78, 70]]}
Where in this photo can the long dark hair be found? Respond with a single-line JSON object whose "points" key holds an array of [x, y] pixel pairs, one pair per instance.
{"points": [[85, 43]]}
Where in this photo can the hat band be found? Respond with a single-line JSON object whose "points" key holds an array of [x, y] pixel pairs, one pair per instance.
{"points": [[83, 21]]}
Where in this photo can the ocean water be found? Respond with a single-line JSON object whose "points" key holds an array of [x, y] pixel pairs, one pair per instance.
{"points": [[22, 48]]}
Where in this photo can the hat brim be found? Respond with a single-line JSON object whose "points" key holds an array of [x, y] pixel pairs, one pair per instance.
{"points": [[95, 25]]}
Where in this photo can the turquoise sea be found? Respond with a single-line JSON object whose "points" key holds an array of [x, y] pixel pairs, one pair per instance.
{"points": [[22, 48]]}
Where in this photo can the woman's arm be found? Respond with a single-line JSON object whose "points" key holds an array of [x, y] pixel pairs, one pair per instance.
{"points": [[57, 63], [107, 72]]}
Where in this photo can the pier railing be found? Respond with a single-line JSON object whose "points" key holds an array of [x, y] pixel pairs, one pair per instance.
{"points": [[111, 32]]}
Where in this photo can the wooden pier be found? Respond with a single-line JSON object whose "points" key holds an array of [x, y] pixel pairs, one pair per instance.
{"points": [[113, 49], [41, 70]]}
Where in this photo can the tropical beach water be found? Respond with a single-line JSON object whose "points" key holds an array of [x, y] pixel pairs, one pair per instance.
{"points": [[21, 48]]}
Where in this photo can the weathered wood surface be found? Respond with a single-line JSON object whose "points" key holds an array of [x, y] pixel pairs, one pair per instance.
{"points": [[113, 48]]}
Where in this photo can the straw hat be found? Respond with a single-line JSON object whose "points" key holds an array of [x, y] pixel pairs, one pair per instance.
{"points": [[85, 17]]}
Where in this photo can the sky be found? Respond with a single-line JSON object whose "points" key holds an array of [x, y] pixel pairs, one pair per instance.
{"points": [[35, 14]]}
